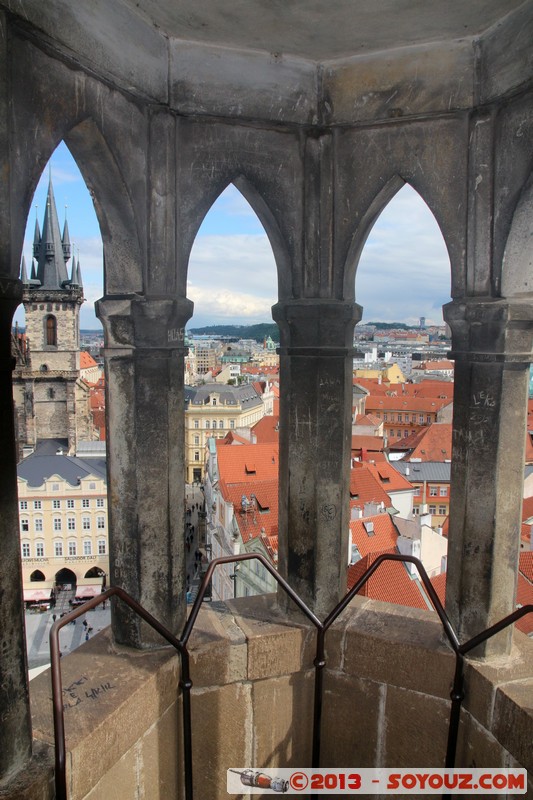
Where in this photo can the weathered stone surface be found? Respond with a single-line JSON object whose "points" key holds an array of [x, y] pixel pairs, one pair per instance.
{"points": [[476, 747], [265, 85], [433, 78], [218, 650], [353, 721], [482, 678], [512, 721], [275, 645], [36, 780], [111, 698], [223, 723], [402, 742], [287, 703], [81, 31], [403, 649]]}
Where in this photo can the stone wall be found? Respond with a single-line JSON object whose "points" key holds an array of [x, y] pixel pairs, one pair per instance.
{"points": [[386, 702]]}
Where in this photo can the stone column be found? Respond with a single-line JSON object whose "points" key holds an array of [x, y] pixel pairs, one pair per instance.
{"points": [[492, 342], [145, 458], [315, 440], [15, 730]]}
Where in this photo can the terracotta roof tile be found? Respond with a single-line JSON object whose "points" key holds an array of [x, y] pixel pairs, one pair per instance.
{"points": [[524, 597], [267, 429], [367, 442], [260, 520], [364, 488], [233, 461], [367, 419], [373, 534], [527, 508], [434, 443], [526, 565], [372, 385], [86, 360], [390, 583], [389, 478], [426, 405]]}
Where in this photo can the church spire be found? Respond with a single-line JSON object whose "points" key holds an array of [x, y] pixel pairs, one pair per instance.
{"points": [[51, 255], [24, 272], [66, 240]]}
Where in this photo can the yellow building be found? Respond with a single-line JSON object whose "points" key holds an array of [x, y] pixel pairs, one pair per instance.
{"points": [[212, 410], [390, 374], [63, 525]]}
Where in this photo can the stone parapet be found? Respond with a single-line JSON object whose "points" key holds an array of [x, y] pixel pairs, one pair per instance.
{"points": [[386, 701]]}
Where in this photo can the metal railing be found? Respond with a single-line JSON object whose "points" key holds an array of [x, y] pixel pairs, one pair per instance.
{"points": [[185, 683]]}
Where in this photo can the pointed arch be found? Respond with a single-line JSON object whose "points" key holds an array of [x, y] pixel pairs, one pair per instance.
{"points": [[113, 205], [517, 265], [381, 200], [261, 208]]}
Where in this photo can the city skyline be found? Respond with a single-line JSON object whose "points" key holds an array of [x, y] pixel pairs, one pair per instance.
{"points": [[403, 273]]}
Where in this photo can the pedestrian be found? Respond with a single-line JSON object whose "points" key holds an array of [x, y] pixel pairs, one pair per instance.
{"points": [[85, 623], [54, 617], [87, 636]]}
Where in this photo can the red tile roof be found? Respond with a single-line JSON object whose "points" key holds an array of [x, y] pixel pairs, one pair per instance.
{"points": [[527, 508], [86, 360], [524, 597], [372, 443], [267, 429], [365, 488], [261, 519], [367, 419], [372, 385], [390, 583], [526, 565], [433, 443], [384, 534], [426, 405], [389, 478], [426, 388], [444, 364], [248, 463]]}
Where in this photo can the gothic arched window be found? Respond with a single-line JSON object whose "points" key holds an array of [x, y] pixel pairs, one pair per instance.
{"points": [[51, 331]]}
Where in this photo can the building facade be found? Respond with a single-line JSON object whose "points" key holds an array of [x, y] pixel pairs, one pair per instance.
{"points": [[63, 520], [212, 410]]}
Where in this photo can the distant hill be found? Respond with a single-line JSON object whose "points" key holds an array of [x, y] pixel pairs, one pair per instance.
{"points": [[257, 332], [387, 326]]}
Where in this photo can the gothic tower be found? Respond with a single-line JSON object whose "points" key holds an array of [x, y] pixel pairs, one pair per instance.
{"points": [[51, 401]]}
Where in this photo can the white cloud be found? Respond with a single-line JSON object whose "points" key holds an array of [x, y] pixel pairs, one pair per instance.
{"points": [[404, 271], [232, 277]]}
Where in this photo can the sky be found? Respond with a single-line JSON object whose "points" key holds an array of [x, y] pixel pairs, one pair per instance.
{"points": [[403, 274]]}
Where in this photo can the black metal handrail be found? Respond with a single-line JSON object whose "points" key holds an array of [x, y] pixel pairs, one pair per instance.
{"points": [[185, 683]]}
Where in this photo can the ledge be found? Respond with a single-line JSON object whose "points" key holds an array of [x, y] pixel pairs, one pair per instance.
{"points": [[388, 674]]}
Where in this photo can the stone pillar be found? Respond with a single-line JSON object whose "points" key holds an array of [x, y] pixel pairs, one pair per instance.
{"points": [[492, 342], [315, 440], [15, 730], [144, 362]]}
